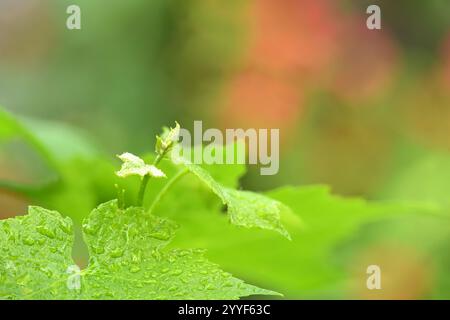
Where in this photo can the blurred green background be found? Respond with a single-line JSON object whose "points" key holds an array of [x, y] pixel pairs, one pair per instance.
{"points": [[364, 112]]}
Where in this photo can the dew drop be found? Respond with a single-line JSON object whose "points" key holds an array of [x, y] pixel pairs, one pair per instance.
{"points": [[98, 249], [135, 269], [164, 270], [150, 281], [117, 253], [66, 227], [89, 229], [46, 271], [160, 235], [45, 231], [177, 272], [28, 241]]}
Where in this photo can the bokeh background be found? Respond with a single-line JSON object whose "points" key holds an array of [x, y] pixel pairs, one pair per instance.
{"points": [[365, 112]]}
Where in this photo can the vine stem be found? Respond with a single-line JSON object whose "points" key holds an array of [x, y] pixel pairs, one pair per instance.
{"points": [[166, 187], [142, 188], [146, 178]]}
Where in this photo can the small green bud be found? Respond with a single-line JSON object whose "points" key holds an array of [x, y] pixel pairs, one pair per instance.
{"points": [[167, 139]]}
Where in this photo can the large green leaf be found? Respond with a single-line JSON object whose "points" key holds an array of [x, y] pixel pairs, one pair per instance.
{"points": [[82, 176], [127, 260], [303, 267], [11, 128]]}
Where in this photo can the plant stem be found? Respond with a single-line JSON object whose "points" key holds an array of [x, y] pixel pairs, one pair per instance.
{"points": [[120, 197], [142, 188], [166, 187], [146, 178]]}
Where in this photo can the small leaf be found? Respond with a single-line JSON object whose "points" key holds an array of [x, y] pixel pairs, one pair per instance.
{"points": [[133, 165]]}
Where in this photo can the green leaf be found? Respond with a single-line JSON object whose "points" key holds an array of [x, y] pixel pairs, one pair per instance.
{"points": [[81, 177], [133, 165], [62, 141], [55, 142], [35, 253], [11, 128], [305, 267], [245, 208], [127, 259]]}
